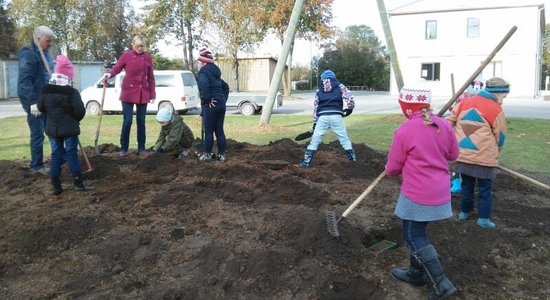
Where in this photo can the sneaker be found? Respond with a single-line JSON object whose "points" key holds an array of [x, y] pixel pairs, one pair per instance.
{"points": [[122, 153], [43, 171], [205, 157], [183, 153], [462, 216], [221, 157]]}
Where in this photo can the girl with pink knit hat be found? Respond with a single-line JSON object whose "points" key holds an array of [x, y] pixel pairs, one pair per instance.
{"points": [[420, 152], [64, 109]]}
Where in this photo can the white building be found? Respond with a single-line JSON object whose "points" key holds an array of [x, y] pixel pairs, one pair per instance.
{"points": [[437, 38]]}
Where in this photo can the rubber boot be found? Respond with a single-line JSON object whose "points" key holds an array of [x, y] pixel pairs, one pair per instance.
{"points": [[415, 275], [57, 189], [442, 287], [351, 155], [79, 185], [308, 157], [485, 223]]}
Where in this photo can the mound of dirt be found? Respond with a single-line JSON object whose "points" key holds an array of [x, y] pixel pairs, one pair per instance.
{"points": [[252, 227]]}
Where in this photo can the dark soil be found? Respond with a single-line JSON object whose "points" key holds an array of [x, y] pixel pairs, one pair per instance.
{"points": [[252, 227]]}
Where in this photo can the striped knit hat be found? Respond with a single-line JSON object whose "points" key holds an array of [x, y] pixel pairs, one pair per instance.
{"points": [[497, 85], [412, 100], [205, 56]]}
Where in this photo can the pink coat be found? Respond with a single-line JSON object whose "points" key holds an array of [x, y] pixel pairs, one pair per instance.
{"points": [[420, 153], [138, 86]]}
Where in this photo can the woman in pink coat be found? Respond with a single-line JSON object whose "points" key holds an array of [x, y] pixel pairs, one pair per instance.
{"points": [[138, 88]]}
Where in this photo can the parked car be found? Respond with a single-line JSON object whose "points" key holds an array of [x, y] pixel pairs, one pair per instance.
{"points": [[176, 90], [250, 103]]}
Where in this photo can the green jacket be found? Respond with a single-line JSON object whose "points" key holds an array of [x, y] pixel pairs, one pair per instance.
{"points": [[175, 136]]}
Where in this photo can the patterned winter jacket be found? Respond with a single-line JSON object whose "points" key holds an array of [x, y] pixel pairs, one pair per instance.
{"points": [[330, 97], [480, 128]]}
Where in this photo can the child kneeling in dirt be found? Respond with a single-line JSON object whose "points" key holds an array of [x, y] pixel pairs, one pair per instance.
{"points": [[64, 109], [175, 136], [420, 152]]}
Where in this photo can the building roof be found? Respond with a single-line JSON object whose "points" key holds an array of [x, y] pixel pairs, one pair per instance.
{"points": [[433, 6]]}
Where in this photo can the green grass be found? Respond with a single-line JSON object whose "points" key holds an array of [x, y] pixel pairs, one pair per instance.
{"points": [[527, 145]]}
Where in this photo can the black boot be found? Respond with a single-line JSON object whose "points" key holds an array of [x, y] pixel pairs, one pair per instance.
{"points": [[57, 189], [350, 154], [308, 157], [79, 185], [442, 287], [415, 275]]}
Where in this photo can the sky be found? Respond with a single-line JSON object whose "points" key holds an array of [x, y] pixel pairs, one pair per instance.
{"points": [[345, 13]]}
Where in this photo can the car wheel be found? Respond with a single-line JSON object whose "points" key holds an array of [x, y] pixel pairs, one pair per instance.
{"points": [[259, 109], [247, 109], [166, 104], [92, 108]]}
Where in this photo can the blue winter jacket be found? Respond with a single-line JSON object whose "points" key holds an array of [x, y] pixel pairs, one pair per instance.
{"points": [[210, 84], [33, 75]]}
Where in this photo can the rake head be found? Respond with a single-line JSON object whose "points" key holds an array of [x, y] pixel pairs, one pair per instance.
{"points": [[332, 223]]}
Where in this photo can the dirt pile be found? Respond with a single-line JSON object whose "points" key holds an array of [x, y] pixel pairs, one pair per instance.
{"points": [[161, 228]]}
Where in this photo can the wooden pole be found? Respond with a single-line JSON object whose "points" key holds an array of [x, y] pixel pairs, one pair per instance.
{"points": [[391, 45], [478, 70], [521, 176]]}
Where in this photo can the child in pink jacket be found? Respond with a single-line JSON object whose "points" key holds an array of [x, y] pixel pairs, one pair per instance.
{"points": [[420, 152]]}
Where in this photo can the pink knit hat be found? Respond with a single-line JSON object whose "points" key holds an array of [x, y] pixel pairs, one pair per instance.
{"points": [[205, 56], [64, 66]]}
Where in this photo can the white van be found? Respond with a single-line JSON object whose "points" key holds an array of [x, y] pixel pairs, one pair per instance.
{"points": [[176, 90]]}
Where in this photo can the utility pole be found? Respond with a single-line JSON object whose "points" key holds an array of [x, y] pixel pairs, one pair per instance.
{"points": [[281, 62], [390, 44]]}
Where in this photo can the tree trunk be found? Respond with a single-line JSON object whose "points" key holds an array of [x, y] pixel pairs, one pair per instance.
{"points": [[289, 71], [184, 43], [283, 78], [236, 71], [190, 45]]}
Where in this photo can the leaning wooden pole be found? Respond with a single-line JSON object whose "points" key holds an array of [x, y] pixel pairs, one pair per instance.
{"points": [[478, 70], [521, 176]]}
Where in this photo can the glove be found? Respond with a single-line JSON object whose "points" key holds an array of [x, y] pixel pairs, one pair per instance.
{"points": [[347, 112], [34, 111], [160, 150]]}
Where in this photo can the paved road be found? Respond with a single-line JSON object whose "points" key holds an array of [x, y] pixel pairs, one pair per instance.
{"points": [[366, 102]]}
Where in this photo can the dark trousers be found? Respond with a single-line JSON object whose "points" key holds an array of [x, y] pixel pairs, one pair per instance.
{"points": [[484, 199], [127, 116], [213, 119], [36, 127], [414, 234], [64, 149]]}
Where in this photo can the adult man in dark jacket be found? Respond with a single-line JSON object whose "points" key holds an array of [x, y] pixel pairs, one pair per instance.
{"points": [[33, 76]]}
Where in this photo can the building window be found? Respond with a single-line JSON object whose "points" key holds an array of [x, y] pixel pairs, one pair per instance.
{"points": [[431, 30], [473, 28], [430, 71]]}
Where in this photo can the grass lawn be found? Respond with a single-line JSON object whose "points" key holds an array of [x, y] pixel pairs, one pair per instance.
{"points": [[527, 143]]}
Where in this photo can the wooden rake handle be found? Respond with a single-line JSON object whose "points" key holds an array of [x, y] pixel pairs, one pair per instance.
{"points": [[364, 194]]}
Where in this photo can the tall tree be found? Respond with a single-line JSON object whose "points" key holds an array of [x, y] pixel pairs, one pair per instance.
{"points": [[86, 30], [546, 56], [235, 22], [358, 58], [7, 33], [314, 23], [174, 18]]}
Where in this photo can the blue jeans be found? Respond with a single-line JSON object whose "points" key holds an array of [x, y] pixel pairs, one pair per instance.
{"points": [[324, 123], [213, 120], [36, 126], [64, 149], [484, 198], [414, 234], [127, 116]]}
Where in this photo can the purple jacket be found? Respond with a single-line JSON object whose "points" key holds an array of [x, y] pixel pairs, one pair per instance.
{"points": [[421, 154], [138, 85]]}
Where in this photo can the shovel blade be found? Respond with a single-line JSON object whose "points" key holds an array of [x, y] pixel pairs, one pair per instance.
{"points": [[332, 223], [303, 136]]}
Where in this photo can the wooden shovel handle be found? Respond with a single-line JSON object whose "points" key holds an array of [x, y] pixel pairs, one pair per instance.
{"points": [[364, 194]]}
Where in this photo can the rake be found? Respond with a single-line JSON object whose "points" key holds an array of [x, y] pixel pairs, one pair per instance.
{"points": [[333, 218]]}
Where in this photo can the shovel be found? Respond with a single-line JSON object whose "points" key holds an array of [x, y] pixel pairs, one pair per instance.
{"points": [[305, 135], [199, 148], [333, 218], [86, 160], [100, 116]]}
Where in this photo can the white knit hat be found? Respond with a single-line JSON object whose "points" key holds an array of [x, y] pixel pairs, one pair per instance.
{"points": [[164, 115]]}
